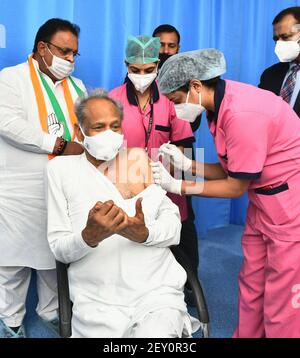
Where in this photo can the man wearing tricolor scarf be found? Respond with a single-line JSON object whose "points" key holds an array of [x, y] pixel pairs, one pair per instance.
{"points": [[36, 124], [114, 227]]}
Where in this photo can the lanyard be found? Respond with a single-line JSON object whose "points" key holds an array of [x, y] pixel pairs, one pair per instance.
{"points": [[149, 130]]}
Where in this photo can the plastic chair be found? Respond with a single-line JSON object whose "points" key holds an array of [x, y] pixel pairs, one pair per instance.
{"points": [[65, 304]]}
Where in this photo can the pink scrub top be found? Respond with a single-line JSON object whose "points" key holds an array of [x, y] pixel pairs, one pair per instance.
{"points": [[165, 127], [257, 137]]}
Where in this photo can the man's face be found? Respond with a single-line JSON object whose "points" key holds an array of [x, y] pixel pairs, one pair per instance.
{"points": [[142, 69], [285, 30], [63, 44], [100, 116], [168, 43]]}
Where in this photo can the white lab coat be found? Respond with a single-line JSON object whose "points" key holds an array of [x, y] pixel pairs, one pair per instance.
{"points": [[120, 281], [23, 156]]}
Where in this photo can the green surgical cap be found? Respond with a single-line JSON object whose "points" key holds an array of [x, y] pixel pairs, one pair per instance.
{"points": [[180, 69], [142, 49]]}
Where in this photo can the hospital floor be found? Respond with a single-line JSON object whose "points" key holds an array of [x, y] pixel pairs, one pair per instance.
{"points": [[220, 261]]}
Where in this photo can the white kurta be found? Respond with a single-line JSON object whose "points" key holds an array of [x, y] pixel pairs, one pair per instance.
{"points": [[120, 274], [23, 157]]}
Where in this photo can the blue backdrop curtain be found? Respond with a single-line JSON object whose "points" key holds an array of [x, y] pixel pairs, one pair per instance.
{"points": [[241, 29]]}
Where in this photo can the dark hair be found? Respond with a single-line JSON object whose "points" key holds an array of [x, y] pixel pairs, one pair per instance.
{"points": [[209, 84], [51, 27], [166, 28], [185, 88], [295, 11]]}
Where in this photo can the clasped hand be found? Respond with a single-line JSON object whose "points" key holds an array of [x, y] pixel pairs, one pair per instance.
{"points": [[106, 219]]}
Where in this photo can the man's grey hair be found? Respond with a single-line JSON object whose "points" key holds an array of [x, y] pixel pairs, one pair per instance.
{"points": [[98, 93]]}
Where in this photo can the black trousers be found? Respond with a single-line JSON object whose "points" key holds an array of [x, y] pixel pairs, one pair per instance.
{"points": [[189, 239]]}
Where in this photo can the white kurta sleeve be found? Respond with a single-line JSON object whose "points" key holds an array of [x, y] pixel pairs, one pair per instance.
{"points": [[66, 245], [164, 231], [15, 128]]}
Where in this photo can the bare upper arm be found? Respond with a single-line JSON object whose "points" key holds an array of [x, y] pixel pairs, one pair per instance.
{"points": [[139, 166]]}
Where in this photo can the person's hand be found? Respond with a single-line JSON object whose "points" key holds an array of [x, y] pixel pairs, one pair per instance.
{"points": [[175, 156], [164, 179], [73, 148], [136, 229], [54, 126], [104, 220]]}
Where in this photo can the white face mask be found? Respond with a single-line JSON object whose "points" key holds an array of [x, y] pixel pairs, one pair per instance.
{"points": [[103, 146], [60, 68], [142, 82], [287, 51], [189, 111]]}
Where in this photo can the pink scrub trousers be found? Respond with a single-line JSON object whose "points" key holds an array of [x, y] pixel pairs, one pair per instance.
{"points": [[269, 280]]}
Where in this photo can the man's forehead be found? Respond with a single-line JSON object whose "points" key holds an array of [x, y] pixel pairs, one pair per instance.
{"points": [[168, 37], [102, 118], [96, 108], [65, 37], [287, 25], [105, 119]]}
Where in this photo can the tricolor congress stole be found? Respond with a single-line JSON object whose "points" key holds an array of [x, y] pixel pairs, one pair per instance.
{"points": [[42, 109]]}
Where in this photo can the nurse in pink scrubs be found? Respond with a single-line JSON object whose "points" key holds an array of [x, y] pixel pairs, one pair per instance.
{"points": [[257, 137], [149, 118]]}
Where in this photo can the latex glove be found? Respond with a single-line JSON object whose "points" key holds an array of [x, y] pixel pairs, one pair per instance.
{"points": [[164, 179], [175, 156]]}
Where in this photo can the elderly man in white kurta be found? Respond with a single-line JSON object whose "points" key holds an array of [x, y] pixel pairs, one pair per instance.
{"points": [[124, 280], [36, 121]]}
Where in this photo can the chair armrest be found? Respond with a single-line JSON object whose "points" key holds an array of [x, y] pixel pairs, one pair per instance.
{"points": [[194, 283], [64, 302]]}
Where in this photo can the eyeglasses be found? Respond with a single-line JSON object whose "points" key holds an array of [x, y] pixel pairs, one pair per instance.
{"points": [[65, 52]]}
